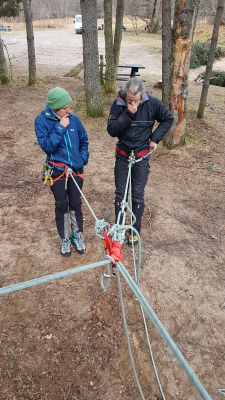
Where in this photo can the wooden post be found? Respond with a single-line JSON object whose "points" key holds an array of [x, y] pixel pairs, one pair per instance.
{"points": [[101, 70]]}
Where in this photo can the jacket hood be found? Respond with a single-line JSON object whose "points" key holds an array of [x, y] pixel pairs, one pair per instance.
{"points": [[50, 114]]}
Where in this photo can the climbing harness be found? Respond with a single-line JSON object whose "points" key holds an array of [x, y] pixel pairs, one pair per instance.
{"points": [[140, 153], [132, 155], [67, 172]]}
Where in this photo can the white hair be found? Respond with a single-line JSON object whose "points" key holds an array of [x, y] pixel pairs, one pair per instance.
{"points": [[134, 86]]}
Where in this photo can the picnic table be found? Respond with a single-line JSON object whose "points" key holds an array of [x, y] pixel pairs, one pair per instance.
{"points": [[5, 28], [134, 69]]}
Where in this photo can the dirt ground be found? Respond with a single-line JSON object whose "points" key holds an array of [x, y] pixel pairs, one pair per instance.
{"points": [[65, 340]]}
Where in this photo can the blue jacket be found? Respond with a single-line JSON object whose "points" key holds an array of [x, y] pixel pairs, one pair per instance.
{"points": [[134, 131], [67, 145]]}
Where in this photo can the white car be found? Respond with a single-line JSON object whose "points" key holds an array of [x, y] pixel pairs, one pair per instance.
{"points": [[78, 23]]}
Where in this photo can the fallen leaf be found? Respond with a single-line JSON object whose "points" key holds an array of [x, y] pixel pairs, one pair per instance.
{"points": [[48, 336]]}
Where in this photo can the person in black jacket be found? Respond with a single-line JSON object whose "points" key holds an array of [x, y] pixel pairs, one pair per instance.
{"points": [[131, 120]]}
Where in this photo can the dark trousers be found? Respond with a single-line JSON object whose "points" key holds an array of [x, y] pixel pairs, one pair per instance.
{"points": [[139, 179], [67, 202]]}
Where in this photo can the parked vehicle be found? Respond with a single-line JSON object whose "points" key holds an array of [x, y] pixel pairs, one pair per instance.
{"points": [[78, 23]]}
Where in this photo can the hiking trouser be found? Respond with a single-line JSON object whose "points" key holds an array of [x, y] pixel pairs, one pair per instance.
{"points": [[67, 202], [139, 179]]}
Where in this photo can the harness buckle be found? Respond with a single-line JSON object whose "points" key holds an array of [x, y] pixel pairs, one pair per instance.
{"points": [[132, 158]]}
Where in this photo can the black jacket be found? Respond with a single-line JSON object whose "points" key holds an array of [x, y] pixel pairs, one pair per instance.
{"points": [[134, 131]]}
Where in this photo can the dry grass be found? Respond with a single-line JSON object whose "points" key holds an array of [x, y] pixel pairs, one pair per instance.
{"points": [[203, 33], [42, 24]]}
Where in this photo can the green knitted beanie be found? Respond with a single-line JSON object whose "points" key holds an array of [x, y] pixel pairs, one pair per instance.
{"points": [[58, 98]]}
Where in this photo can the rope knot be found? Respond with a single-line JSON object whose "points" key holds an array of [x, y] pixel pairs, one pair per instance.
{"points": [[100, 225]]}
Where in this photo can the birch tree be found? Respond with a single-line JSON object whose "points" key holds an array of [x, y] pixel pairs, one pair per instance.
{"points": [[30, 41], [91, 59], [205, 87]]}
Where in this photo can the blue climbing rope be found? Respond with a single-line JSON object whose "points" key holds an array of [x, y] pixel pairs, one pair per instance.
{"points": [[48, 278], [162, 331]]}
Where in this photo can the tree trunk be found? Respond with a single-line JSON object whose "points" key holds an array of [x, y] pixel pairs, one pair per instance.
{"points": [[134, 16], [4, 75], [205, 87], [155, 8], [118, 34], [158, 16], [76, 70], [167, 53], [101, 70], [91, 59], [109, 56], [30, 41], [184, 22]]}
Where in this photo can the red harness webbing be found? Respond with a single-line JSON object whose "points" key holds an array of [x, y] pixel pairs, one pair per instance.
{"points": [[64, 173], [140, 154]]}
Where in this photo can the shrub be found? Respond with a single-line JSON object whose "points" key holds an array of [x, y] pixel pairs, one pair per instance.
{"points": [[200, 53], [217, 78]]}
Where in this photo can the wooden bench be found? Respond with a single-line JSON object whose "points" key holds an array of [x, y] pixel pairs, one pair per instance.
{"points": [[134, 69], [5, 28]]}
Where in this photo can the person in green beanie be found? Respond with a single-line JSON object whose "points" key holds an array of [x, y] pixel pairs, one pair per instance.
{"points": [[63, 138]]}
